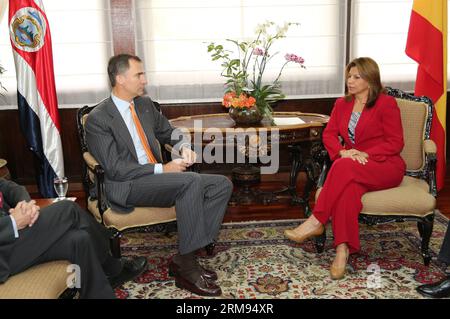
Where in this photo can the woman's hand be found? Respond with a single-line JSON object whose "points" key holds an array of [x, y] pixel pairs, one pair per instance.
{"points": [[360, 157]]}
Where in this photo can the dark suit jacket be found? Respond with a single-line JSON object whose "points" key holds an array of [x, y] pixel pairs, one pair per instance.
{"points": [[109, 141], [12, 194], [379, 130]]}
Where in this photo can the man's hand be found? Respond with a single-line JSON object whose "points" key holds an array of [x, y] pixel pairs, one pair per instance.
{"points": [[355, 155], [188, 155], [25, 214], [176, 166], [33, 211], [20, 215]]}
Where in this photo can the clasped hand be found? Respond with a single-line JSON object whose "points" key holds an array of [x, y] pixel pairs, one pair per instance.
{"points": [[355, 155], [25, 213], [188, 158]]}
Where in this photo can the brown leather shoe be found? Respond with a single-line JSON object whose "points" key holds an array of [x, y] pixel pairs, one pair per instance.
{"points": [[292, 235], [208, 274], [202, 287]]}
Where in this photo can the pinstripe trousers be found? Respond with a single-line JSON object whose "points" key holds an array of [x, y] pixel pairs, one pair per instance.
{"points": [[64, 231], [200, 202]]}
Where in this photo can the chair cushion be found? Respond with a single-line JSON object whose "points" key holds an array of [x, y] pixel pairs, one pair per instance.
{"points": [[413, 116], [44, 281], [410, 198], [140, 216]]}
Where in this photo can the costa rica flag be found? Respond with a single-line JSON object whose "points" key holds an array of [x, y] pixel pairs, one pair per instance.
{"points": [[36, 94]]}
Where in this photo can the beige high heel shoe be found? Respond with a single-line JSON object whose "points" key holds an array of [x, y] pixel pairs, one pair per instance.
{"points": [[338, 272], [290, 233]]}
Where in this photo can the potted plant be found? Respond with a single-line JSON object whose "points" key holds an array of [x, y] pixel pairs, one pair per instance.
{"points": [[247, 94]]}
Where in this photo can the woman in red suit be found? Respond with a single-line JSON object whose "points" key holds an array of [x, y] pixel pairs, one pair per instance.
{"points": [[368, 121]]}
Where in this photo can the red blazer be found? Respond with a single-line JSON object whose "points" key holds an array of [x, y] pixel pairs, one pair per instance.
{"points": [[379, 131]]}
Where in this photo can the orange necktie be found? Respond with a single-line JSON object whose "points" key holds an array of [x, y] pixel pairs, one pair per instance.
{"points": [[142, 137]]}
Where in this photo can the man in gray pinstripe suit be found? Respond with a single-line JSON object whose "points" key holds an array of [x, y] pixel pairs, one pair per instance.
{"points": [[133, 179]]}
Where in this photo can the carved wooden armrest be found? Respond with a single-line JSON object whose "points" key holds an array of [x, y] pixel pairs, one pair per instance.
{"points": [[430, 160], [90, 160], [97, 175], [429, 147]]}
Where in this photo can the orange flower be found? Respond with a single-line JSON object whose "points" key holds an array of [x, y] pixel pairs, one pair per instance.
{"points": [[230, 100], [251, 101]]}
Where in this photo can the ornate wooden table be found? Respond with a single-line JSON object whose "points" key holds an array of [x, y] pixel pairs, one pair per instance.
{"points": [[303, 140]]}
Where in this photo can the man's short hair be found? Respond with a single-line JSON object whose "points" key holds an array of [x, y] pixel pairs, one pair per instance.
{"points": [[119, 64]]}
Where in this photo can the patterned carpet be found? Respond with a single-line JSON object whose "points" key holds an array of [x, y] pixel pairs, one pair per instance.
{"points": [[254, 260]]}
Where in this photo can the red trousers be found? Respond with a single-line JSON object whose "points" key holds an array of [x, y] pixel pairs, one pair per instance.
{"points": [[346, 183]]}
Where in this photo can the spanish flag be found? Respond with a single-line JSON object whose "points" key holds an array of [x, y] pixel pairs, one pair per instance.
{"points": [[427, 45]]}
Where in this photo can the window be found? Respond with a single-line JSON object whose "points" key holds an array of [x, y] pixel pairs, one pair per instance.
{"points": [[379, 30], [172, 38], [82, 45]]}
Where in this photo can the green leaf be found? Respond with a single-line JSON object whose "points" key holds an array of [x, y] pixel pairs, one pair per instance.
{"points": [[235, 62]]}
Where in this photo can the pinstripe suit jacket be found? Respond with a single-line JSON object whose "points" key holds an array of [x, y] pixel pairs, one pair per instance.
{"points": [[109, 141], [12, 194]]}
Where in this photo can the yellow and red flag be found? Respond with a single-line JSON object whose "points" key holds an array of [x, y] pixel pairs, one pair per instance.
{"points": [[427, 45]]}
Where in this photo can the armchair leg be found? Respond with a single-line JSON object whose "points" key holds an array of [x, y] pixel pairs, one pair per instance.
{"points": [[425, 229], [420, 228], [319, 242], [210, 249], [114, 242]]}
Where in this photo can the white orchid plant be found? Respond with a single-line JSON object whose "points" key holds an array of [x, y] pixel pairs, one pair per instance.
{"points": [[244, 69]]}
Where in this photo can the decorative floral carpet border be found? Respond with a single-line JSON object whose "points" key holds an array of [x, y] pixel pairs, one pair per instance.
{"points": [[254, 260]]}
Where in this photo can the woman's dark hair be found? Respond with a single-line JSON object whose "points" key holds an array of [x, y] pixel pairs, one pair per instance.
{"points": [[368, 70], [119, 64]]}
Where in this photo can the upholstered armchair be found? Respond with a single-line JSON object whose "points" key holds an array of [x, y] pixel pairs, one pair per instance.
{"points": [[43, 281], [140, 218], [414, 199]]}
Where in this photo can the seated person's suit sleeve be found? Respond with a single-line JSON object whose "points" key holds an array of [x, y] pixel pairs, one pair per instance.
{"points": [[6, 230], [392, 132], [12, 194], [166, 134], [105, 149], [331, 133]]}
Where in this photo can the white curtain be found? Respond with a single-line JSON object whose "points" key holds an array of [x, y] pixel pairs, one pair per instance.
{"points": [[172, 38], [82, 45], [380, 29], [3, 7]]}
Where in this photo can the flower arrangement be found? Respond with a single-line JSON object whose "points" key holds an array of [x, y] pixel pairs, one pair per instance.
{"points": [[245, 87]]}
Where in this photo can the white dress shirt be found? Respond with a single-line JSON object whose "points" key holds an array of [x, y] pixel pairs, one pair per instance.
{"points": [[124, 109]]}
